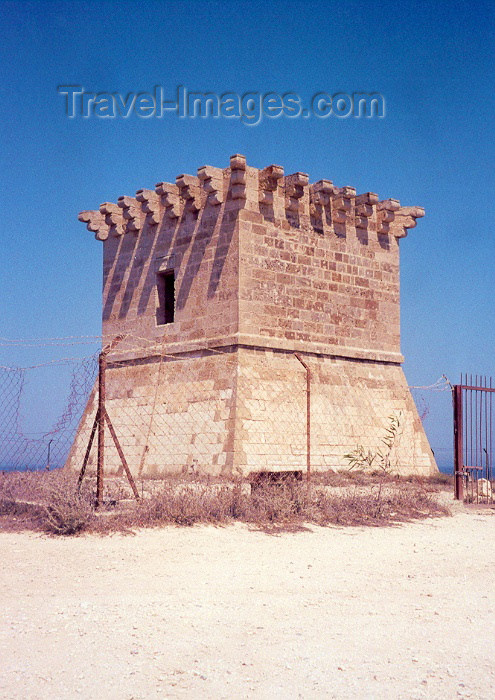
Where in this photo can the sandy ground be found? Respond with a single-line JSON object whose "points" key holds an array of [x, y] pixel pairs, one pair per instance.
{"points": [[204, 612]]}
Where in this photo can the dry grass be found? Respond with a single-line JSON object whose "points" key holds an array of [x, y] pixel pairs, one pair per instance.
{"points": [[49, 502], [438, 482], [46, 501]]}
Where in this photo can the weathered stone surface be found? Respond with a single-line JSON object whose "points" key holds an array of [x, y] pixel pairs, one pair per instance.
{"points": [[265, 265]]}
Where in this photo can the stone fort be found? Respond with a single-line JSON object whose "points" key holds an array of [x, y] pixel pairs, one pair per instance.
{"points": [[253, 303]]}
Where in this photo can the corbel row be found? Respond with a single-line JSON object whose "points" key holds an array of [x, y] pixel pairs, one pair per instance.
{"points": [[130, 214], [342, 203], [191, 193]]}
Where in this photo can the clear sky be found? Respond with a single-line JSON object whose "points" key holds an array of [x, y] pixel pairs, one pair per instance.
{"points": [[432, 61]]}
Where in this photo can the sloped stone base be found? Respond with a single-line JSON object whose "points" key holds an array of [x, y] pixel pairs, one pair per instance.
{"points": [[243, 409]]}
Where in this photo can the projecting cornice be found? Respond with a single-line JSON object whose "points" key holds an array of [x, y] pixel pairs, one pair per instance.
{"points": [[289, 199]]}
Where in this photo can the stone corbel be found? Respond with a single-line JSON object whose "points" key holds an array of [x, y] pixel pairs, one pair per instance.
{"points": [[95, 222], [386, 214], [320, 192], [405, 218], [238, 176], [171, 199], [212, 180], [132, 212], [342, 201], [190, 191], [150, 203], [295, 185], [113, 217], [364, 208], [268, 182]]}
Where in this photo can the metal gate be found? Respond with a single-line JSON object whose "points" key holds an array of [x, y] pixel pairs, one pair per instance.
{"points": [[473, 439]]}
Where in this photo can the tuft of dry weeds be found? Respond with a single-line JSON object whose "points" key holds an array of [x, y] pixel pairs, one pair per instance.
{"points": [[44, 501], [50, 502]]}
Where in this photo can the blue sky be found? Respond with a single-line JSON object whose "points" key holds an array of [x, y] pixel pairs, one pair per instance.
{"points": [[432, 61]]}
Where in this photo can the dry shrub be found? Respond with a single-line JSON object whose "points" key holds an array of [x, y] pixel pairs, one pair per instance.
{"points": [[189, 503], [357, 477], [380, 505], [50, 502], [369, 505], [65, 510], [47, 501], [22, 486], [288, 502]]}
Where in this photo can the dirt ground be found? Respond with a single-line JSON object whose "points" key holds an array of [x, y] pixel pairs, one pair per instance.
{"points": [[205, 612]]}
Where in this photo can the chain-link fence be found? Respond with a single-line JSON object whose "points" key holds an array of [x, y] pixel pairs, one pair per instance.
{"points": [[40, 409], [434, 405], [240, 410], [217, 411]]}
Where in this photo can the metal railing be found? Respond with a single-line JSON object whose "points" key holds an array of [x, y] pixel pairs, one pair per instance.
{"points": [[473, 402]]}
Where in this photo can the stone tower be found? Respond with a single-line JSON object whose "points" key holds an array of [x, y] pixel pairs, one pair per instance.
{"points": [[240, 291]]}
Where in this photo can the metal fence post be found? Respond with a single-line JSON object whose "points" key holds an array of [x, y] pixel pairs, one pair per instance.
{"points": [[308, 415], [102, 365], [458, 457]]}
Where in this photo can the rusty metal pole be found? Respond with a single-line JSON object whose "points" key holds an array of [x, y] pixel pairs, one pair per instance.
{"points": [[122, 456], [102, 365], [308, 415], [88, 452], [458, 461]]}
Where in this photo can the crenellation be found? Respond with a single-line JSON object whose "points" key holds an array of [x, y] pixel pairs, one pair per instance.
{"points": [[288, 201]]}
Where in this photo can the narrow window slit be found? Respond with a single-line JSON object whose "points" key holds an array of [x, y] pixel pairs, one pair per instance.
{"points": [[166, 297]]}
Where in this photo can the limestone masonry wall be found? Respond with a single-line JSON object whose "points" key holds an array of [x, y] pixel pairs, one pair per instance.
{"points": [[265, 264]]}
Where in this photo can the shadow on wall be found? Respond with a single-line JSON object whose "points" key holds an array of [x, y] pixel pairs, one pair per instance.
{"points": [[138, 255]]}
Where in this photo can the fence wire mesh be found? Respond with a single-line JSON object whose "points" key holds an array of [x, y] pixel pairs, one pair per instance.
{"points": [[170, 413], [214, 411], [242, 410], [434, 406], [32, 434]]}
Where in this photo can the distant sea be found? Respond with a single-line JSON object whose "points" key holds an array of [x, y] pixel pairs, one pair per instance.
{"points": [[446, 468]]}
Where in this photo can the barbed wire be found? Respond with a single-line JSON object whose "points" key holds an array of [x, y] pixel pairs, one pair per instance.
{"points": [[22, 449], [442, 384], [50, 342], [49, 363]]}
